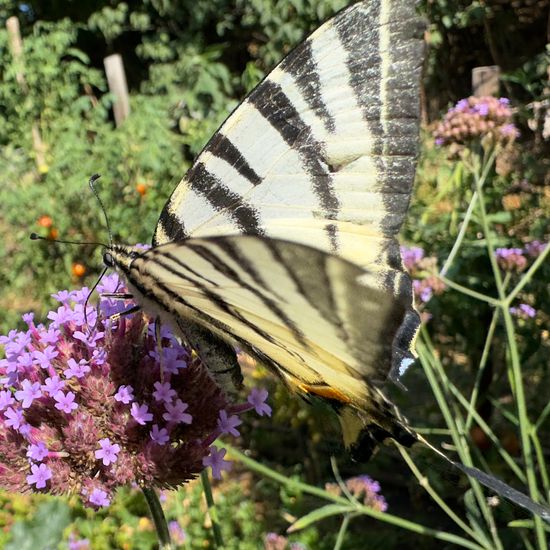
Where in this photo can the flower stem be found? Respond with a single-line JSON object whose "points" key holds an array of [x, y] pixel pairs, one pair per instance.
{"points": [[218, 539], [158, 518]]}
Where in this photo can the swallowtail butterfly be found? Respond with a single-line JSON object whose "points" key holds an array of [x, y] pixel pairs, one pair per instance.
{"points": [[281, 238]]}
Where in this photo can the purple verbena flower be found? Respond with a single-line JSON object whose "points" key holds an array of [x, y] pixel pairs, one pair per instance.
{"points": [[159, 435], [37, 451], [511, 259], [52, 385], [535, 248], [175, 412], [65, 401], [6, 399], [107, 452], [257, 399], [76, 370], [524, 310], [228, 424], [65, 386], [29, 392], [216, 461], [98, 497], [164, 392], [14, 418], [125, 394], [44, 358], [141, 413], [177, 533], [363, 488], [40, 475]]}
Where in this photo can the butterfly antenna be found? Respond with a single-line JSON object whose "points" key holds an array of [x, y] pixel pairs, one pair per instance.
{"points": [[36, 237], [92, 181]]}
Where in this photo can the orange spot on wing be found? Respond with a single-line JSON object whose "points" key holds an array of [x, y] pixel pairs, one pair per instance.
{"points": [[326, 392]]}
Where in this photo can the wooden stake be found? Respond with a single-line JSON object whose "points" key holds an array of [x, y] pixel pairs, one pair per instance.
{"points": [[114, 69], [16, 48], [486, 80]]}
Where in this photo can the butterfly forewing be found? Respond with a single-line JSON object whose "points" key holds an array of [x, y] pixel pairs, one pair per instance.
{"points": [[322, 151]]}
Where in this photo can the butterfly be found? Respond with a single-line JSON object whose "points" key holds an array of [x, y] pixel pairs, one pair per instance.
{"points": [[281, 238]]}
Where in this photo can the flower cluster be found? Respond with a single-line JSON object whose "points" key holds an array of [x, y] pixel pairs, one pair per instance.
{"points": [[476, 118], [516, 259], [424, 271], [88, 403], [362, 488], [511, 259], [524, 311]]}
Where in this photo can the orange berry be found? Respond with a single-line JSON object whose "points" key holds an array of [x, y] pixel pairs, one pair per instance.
{"points": [[141, 188], [53, 233], [78, 270], [45, 221]]}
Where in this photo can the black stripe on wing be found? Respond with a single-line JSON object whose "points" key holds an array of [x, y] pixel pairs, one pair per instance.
{"points": [[223, 199], [303, 67], [222, 267], [274, 105], [156, 258], [223, 148]]}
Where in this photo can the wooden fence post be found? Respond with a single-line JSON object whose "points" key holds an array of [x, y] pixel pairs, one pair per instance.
{"points": [[485, 80], [114, 69], [16, 49]]}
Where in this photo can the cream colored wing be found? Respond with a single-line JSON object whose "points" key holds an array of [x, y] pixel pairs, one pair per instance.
{"points": [[323, 151], [326, 326]]}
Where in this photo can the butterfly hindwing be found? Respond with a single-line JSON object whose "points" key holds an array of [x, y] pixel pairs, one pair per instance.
{"points": [[319, 321]]}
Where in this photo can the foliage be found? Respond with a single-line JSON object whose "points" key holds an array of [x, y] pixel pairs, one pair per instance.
{"points": [[188, 64]]}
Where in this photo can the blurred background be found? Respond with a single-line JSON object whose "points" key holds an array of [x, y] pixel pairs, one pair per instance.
{"points": [[179, 68]]}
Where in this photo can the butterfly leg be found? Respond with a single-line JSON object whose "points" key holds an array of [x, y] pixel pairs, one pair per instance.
{"points": [[117, 316], [218, 356]]}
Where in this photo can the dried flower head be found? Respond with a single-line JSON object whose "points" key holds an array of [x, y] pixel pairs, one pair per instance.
{"points": [[535, 248], [362, 488], [477, 118], [424, 271], [88, 404], [511, 259], [524, 311]]}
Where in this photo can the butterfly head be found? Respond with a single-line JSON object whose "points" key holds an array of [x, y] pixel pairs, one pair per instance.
{"points": [[120, 257]]}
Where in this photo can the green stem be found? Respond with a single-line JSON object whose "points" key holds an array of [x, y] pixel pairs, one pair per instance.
{"points": [[158, 518], [487, 165], [469, 292], [430, 368], [425, 483], [481, 368], [359, 508], [207, 488], [342, 532], [525, 425]]}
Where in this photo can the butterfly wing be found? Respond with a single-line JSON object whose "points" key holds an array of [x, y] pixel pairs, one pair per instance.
{"points": [[323, 151], [321, 322]]}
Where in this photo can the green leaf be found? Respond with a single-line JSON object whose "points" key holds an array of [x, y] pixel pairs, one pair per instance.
{"points": [[44, 530], [319, 514]]}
